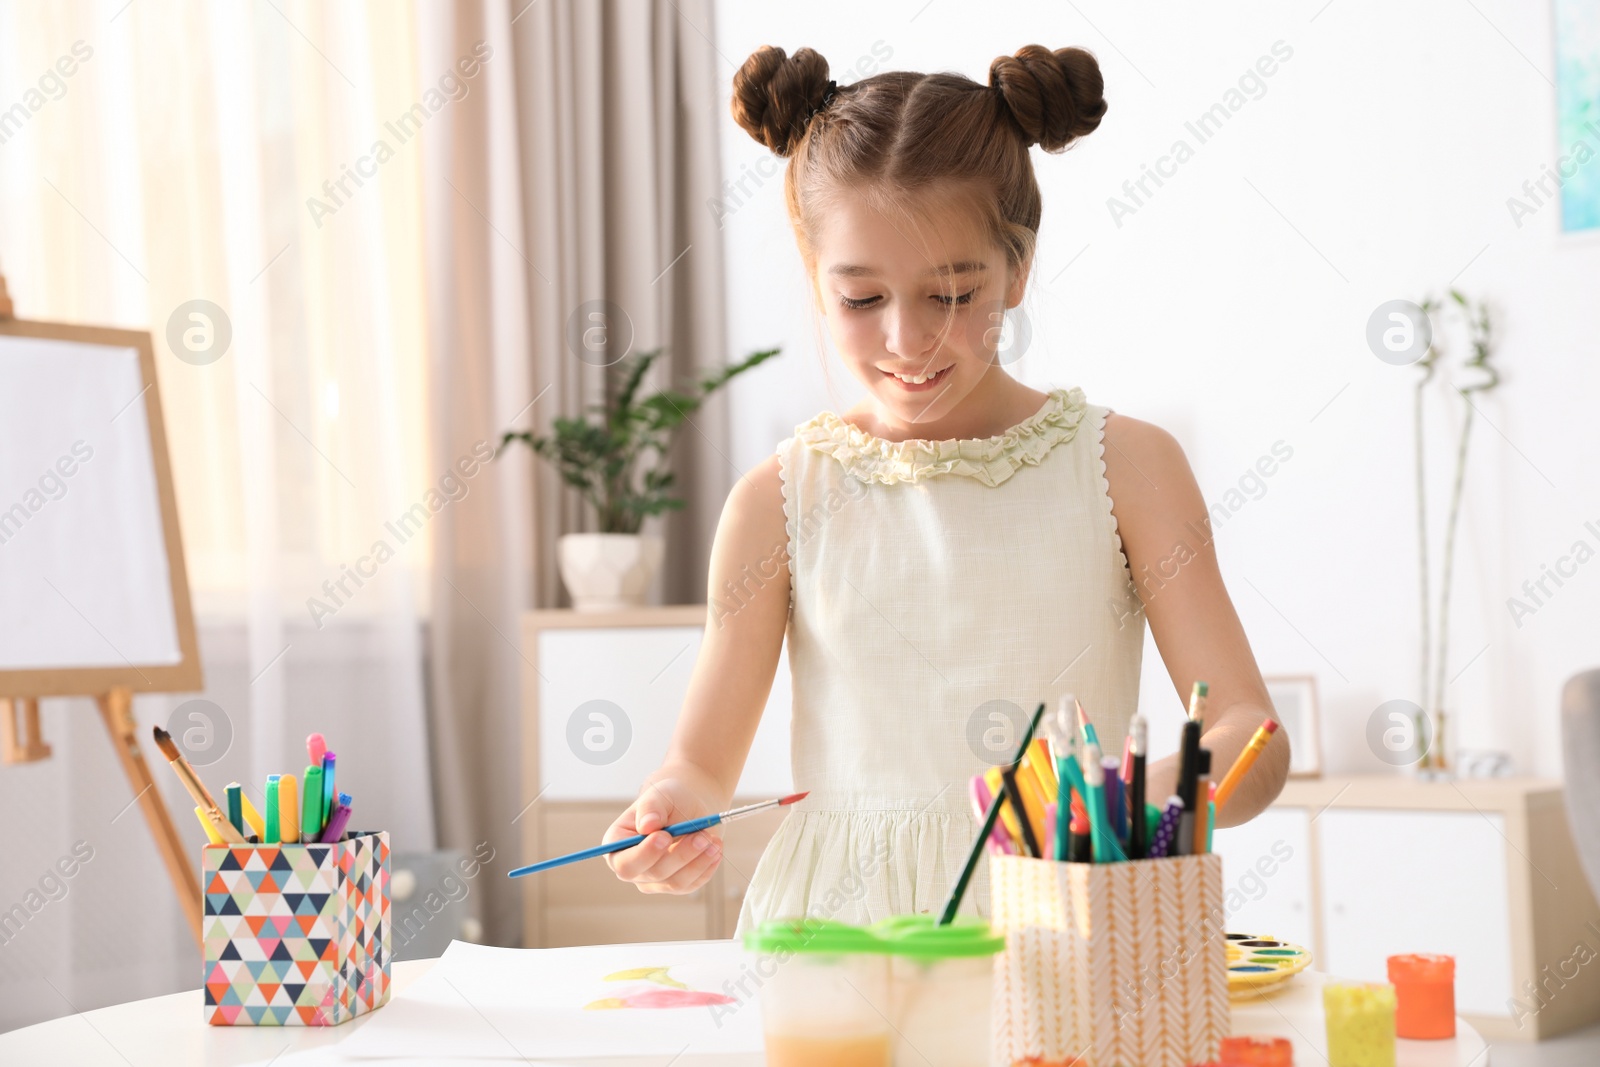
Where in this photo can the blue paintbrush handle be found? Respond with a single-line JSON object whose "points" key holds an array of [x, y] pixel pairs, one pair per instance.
{"points": [[677, 829]]}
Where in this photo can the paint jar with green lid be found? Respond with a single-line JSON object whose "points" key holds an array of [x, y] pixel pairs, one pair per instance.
{"points": [[941, 980], [824, 993]]}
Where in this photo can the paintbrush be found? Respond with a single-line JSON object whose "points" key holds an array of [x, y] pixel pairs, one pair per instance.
{"points": [[197, 789], [677, 829]]}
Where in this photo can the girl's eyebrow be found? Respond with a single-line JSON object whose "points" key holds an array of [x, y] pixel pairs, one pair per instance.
{"points": [[851, 270]]}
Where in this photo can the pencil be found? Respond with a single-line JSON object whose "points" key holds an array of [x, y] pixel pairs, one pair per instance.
{"points": [[1197, 702], [1090, 737], [1138, 832], [1247, 758]]}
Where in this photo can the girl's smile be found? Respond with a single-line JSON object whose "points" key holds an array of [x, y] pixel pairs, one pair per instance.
{"points": [[918, 381]]}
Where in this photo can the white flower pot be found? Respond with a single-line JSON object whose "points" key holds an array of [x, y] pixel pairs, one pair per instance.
{"points": [[608, 572]]}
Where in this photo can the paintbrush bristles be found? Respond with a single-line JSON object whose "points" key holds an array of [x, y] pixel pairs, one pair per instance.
{"points": [[165, 743]]}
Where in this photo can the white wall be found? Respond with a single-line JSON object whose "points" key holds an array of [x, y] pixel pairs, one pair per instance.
{"points": [[1231, 309]]}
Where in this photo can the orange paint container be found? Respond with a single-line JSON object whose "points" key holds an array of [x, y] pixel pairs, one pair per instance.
{"points": [[1425, 994], [1256, 1052]]}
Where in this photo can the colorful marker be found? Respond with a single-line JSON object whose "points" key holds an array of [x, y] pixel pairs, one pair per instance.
{"points": [[1115, 811], [328, 793], [311, 820], [252, 817], [340, 818], [289, 809], [272, 836], [235, 797], [1166, 835]]}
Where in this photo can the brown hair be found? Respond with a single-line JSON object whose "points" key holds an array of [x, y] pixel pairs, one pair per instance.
{"points": [[901, 131]]}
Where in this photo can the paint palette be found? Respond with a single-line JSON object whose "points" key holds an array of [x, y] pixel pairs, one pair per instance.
{"points": [[1256, 962]]}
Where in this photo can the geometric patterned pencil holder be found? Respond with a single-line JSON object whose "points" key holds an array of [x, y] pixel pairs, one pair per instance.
{"points": [[1112, 963], [296, 935]]}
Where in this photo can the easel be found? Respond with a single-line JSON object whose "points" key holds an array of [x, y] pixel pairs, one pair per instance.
{"points": [[21, 740]]}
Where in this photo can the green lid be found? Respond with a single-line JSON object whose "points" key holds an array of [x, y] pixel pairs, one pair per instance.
{"points": [[921, 937], [822, 936]]}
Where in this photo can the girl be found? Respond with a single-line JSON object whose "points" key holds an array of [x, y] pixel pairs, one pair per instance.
{"points": [[957, 541]]}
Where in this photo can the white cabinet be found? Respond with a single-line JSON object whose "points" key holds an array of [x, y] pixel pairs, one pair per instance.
{"points": [[1419, 881], [1266, 871], [1482, 870], [600, 697], [608, 698]]}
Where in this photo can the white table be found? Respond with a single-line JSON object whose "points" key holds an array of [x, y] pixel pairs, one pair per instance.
{"points": [[170, 1031]]}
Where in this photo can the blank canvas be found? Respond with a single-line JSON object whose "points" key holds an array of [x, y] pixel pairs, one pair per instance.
{"points": [[83, 566]]}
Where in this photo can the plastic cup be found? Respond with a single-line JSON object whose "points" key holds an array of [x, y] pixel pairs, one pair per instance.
{"points": [[941, 980], [827, 1001], [1425, 995], [1360, 1021]]}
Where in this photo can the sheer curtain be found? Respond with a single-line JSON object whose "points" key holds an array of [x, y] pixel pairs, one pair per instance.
{"points": [[586, 176], [263, 158]]}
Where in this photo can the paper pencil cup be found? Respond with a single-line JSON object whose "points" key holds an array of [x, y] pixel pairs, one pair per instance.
{"points": [[1112, 963], [296, 935]]}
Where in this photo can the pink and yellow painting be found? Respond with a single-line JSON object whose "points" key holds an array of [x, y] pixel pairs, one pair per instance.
{"points": [[670, 993]]}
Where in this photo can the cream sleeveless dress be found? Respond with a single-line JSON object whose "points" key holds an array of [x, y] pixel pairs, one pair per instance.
{"points": [[940, 591]]}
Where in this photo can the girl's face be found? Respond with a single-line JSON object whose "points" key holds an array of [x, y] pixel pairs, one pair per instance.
{"points": [[916, 315]]}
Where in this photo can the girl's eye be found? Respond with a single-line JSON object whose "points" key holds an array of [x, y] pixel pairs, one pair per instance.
{"points": [[860, 305]]}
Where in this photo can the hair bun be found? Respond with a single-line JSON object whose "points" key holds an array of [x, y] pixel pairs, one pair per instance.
{"points": [[775, 95], [1056, 97]]}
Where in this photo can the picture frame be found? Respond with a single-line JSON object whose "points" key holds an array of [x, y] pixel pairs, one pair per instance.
{"points": [[1294, 698]]}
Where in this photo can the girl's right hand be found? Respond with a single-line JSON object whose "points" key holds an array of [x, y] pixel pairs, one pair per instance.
{"points": [[663, 863]]}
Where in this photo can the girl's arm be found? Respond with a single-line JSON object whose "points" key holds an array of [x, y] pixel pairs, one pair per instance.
{"points": [[1166, 535], [747, 612]]}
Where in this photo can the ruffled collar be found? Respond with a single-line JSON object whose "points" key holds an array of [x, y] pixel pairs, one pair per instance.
{"points": [[991, 460]]}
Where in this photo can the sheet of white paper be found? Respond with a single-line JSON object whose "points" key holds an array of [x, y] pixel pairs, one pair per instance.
{"points": [[490, 1003], [83, 560]]}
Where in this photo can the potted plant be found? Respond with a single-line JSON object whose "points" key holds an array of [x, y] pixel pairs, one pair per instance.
{"points": [[615, 455], [1480, 377]]}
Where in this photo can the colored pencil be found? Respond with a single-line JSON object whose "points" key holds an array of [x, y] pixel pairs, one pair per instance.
{"points": [[1246, 760]]}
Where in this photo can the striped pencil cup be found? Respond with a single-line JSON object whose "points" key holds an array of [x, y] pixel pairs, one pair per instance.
{"points": [[296, 935], [1111, 963]]}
